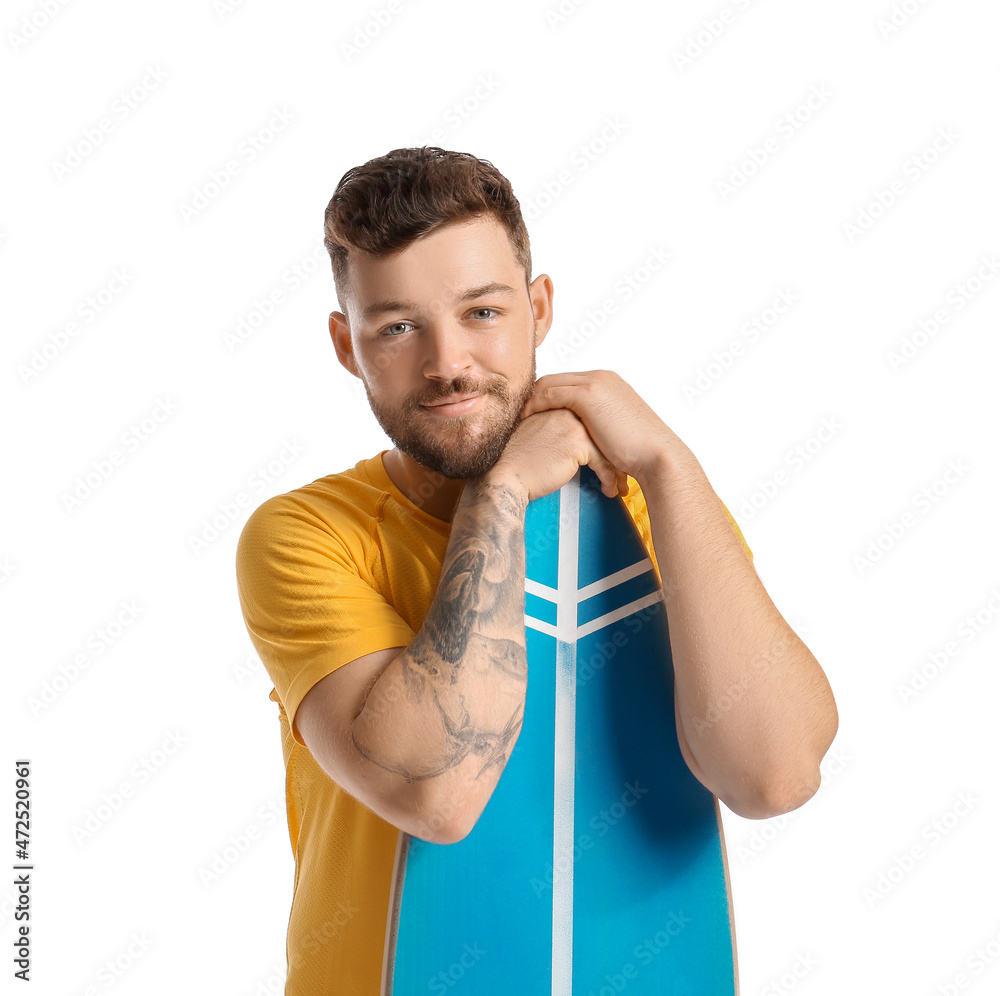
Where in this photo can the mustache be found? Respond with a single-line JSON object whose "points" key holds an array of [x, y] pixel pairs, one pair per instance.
{"points": [[463, 386]]}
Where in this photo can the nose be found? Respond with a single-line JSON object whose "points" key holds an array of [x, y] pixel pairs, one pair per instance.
{"points": [[446, 351]]}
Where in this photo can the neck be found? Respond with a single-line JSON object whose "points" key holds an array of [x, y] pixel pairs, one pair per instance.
{"points": [[428, 490]]}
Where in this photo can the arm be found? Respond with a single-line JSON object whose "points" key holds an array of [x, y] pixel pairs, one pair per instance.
{"points": [[422, 735], [755, 713]]}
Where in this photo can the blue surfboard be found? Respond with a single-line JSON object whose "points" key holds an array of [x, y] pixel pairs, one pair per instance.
{"points": [[598, 863]]}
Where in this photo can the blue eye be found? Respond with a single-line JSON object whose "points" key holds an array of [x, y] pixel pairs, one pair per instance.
{"points": [[395, 325], [492, 311]]}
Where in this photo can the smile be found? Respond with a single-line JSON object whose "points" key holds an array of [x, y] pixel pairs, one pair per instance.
{"points": [[456, 404]]}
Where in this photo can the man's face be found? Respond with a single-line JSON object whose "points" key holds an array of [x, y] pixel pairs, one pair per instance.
{"points": [[443, 337]]}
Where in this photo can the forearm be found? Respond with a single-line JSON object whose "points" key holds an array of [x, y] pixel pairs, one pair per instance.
{"points": [[443, 717], [753, 703]]}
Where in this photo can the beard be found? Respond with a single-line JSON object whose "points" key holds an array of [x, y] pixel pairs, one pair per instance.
{"points": [[465, 446]]}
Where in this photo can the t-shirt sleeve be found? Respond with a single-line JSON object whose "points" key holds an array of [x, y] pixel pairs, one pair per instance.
{"points": [[636, 503], [307, 606]]}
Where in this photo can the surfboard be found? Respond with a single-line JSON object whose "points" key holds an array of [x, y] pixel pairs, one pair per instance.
{"points": [[598, 865]]}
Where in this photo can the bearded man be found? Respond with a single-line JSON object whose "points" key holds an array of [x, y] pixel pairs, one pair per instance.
{"points": [[387, 601]]}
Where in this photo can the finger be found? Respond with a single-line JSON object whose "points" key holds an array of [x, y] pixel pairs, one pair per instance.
{"points": [[532, 405], [605, 470], [571, 396], [567, 377]]}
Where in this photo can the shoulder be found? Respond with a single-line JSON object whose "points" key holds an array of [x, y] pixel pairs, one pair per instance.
{"points": [[326, 523], [329, 504]]}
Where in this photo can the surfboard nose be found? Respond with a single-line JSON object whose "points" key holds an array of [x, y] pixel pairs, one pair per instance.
{"points": [[570, 530]]}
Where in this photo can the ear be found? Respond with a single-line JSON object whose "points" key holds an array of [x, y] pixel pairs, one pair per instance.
{"points": [[540, 294], [340, 333]]}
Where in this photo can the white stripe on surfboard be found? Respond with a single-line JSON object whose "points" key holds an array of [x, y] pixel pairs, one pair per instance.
{"points": [[547, 628], [612, 617], [619, 577], [563, 830], [540, 590], [579, 632]]}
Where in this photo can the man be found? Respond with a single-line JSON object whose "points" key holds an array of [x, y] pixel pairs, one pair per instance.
{"points": [[387, 601]]}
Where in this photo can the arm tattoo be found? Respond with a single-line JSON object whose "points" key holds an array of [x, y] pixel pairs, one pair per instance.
{"points": [[463, 664]]}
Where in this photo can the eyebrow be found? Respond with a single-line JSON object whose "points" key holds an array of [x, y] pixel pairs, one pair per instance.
{"points": [[382, 307]]}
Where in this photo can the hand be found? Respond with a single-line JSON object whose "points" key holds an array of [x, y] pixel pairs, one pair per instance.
{"points": [[545, 452], [629, 434]]}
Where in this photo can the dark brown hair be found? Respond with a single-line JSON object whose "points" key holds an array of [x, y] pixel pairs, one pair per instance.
{"points": [[383, 206]]}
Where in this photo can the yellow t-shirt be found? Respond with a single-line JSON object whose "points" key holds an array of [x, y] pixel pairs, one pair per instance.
{"points": [[326, 573]]}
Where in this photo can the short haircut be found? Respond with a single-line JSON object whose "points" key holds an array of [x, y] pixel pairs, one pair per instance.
{"points": [[382, 207]]}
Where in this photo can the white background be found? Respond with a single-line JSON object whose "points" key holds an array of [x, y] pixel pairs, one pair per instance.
{"points": [[615, 149]]}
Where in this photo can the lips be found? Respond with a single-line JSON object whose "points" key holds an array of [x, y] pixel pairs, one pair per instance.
{"points": [[454, 406], [452, 399]]}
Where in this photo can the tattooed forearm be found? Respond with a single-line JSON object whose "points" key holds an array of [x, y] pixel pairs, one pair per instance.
{"points": [[457, 603], [503, 499], [464, 676], [483, 570]]}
